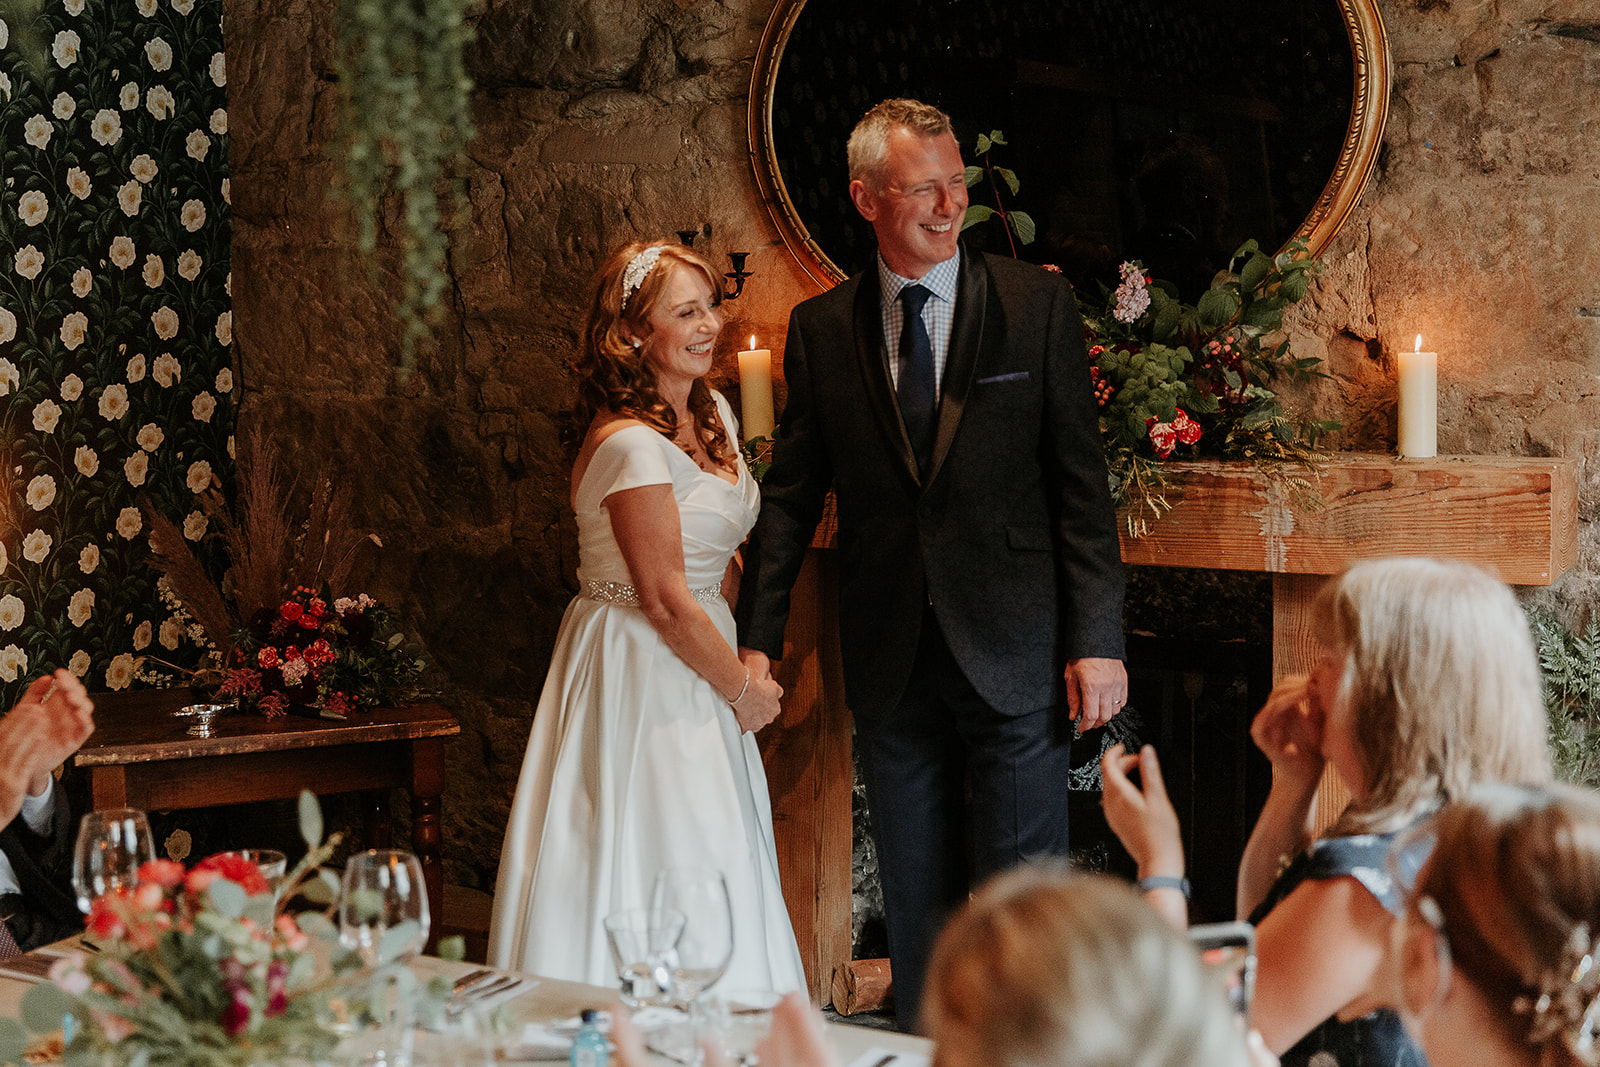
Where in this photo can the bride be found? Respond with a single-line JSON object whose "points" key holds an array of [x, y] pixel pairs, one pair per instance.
{"points": [[642, 753]]}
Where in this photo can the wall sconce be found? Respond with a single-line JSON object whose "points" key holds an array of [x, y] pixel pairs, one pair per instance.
{"points": [[737, 275]]}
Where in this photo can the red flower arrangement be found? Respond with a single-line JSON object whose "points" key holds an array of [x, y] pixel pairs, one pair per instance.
{"points": [[314, 652]]}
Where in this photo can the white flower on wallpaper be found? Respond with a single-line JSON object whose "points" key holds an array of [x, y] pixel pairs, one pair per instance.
{"points": [[183, 7], [147, 8], [80, 663], [114, 402], [87, 461], [71, 387], [78, 183], [143, 168], [106, 128], [80, 607], [123, 252], [202, 406], [155, 271], [129, 523], [166, 370], [194, 525], [89, 558], [41, 492], [65, 50], [225, 328], [219, 121], [63, 107], [73, 329], [5, 84], [120, 674], [37, 130], [29, 261], [82, 282], [227, 198], [73, 7], [135, 468], [171, 634], [219, 70], [189, 264], [46, 415], [5, 33], [224, 382], [193, 216], [159, 102], [36, 546], [12, 612], [199, 477], [136, 369], [33, 207], [165, 320], [159, 53], [8, 332], [150, 437], [142, 635], [9, 378], [13, 661], [197, 144], [129, 197], [128, 97]]}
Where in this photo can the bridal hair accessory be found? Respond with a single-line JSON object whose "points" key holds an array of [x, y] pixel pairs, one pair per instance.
{"points": [[638, 267], [1568, 1005]]}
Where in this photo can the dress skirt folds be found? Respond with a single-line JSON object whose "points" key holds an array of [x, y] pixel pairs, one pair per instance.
{"points": [[635, 761]]}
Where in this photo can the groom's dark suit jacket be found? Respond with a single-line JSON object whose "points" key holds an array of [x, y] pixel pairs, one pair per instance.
{"points": [[1010, 533]]}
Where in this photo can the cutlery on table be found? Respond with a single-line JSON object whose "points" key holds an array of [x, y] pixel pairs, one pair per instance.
{"points": [[467, 981]]}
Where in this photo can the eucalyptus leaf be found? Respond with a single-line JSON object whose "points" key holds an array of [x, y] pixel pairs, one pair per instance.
{"points": [[228, 898], [453, 948], [398, 940], [43, 1005], [1010, 178], [1023, 225], [322, 889], [317, 925], [310, 819], [976, 213], [363, 904]]}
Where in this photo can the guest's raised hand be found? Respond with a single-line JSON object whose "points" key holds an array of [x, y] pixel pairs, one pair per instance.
{"points": [[1146, 823], [759, 703], [628, 1041], [798, 1037], [1288, 728]]}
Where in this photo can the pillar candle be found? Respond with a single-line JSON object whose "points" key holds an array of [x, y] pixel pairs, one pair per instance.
{"points": [[755, 391], [1419, 403]]}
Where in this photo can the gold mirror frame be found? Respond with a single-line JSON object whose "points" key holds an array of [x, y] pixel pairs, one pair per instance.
{"points": [[1369, 46]]}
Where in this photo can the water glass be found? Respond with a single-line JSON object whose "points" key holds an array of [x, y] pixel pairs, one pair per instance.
{"points": [[111, 846], [644, 948], [272, 864], [383, 909], [706, 944]]}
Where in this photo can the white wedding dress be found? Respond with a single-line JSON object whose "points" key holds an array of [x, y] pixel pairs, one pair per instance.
{"points": [[635, 761]]}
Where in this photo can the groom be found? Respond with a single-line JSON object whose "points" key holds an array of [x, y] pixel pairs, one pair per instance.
{"points": [[944, 396]]}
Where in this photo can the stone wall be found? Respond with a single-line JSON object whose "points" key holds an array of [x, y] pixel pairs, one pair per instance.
{"points": [[605, 120]]}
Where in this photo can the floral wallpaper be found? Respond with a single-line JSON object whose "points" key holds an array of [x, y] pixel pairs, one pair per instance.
{"points": [[116, 380]]}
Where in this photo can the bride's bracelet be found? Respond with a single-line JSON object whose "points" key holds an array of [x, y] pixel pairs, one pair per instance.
{"points": [[743, 689]]}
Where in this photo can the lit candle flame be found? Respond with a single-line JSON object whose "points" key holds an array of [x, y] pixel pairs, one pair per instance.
{"points": [[753, 341], [1419, 344]]}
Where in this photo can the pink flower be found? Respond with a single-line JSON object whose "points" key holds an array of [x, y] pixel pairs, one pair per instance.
{"points": [[1187, 429], [167, 874], [1163, 438], [291, 933], [69, 976], [267, 658]]}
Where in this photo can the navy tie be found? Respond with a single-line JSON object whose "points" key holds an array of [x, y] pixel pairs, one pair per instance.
{"points": [[916, 388]]}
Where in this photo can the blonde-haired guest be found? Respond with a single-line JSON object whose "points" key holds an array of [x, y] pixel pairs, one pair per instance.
{"points": [[1428, 685]]}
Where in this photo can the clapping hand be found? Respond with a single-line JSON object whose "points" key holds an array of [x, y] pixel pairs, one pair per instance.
{"points": [[1288, 729], [48, 724]]}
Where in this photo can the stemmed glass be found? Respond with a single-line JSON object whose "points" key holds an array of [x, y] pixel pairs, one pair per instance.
{"points": [[706, 944], [644, 944], [383, 909], [111, 846]]}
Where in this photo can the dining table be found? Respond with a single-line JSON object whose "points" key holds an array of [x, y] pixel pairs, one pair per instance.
{"points": [[546, 1006]]}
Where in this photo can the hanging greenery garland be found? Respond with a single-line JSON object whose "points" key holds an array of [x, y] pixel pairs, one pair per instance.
{"points": [[407, 119]]}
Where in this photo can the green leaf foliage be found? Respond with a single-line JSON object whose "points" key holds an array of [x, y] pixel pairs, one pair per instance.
{"points": [[1569, 660], [1023, 224], [1010, 178], [310, 819], [973, 176], [13, 1041], [976, 213]]}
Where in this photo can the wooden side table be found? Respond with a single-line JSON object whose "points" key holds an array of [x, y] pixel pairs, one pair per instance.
{"points": [[141, 756]]}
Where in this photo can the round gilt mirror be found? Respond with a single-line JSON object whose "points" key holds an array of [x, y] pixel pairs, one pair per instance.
{"points": [[1163, 130]]}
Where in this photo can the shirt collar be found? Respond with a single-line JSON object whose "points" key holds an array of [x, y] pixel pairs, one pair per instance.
{"points": [[940, 280]]}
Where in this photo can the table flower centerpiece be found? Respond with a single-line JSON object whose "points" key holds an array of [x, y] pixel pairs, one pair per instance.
{"points": [[201, 967]]}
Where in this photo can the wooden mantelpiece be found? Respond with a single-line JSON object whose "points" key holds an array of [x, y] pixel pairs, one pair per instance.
{"points": [[1517, 516]]}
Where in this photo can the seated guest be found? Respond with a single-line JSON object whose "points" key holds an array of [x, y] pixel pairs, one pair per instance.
{"points": [[53, 718], [1429, 685], [1494, 961], [1042, 968]]}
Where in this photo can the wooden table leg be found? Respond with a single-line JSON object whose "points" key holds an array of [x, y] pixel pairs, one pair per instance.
{"points": [[427, 785], [1295, 649]]}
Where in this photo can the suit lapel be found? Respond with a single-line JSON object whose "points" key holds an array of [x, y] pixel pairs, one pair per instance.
{"points": [[873, 361], [966, 341]]}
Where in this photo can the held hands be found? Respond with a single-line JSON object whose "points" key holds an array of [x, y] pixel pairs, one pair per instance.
{"points": [[1096, 690], [1288, 729], [758, 704]]}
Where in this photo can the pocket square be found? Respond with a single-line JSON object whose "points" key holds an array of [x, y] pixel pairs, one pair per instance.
{"points": [[1015, 376]]}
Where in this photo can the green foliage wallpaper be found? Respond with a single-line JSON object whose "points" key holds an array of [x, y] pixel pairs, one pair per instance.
{"points": [[116, 379]]}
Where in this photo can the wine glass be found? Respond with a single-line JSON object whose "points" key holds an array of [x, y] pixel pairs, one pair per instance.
{"points": [[111, 846], [644, 944], [383, 909], [743, 1018], [706, 944], [272, 864]]}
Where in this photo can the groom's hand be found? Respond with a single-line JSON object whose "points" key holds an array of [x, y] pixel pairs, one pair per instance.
{"points": [[760, 666], [1096, 690]]}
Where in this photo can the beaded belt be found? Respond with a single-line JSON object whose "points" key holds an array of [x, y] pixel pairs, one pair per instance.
{"points": [[627, 596]]}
